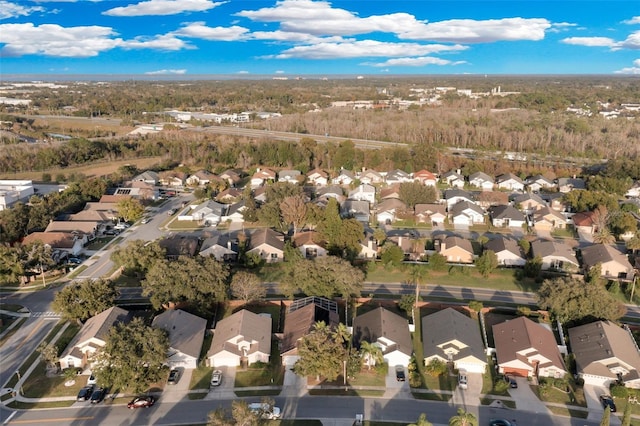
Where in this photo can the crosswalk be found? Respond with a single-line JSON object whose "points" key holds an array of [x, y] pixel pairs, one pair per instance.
{"points": [[48, 314]]}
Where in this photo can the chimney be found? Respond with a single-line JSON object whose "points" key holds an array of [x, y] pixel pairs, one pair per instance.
{"points": [[458, 171]]}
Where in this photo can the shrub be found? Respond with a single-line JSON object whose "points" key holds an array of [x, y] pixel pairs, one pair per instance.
{"points": [[619, 391]]}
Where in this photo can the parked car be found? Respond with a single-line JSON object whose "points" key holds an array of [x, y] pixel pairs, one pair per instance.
{"points": [[85, 393], [98, 395], [607, 402], [145, 220], [400, 376], [174, 376], [511, 380], [74, 260], [91, 381], [265, 411], [462, 380], [121, 226], [216, 378], [111, 232], [500, 422], [141, 402], [172, 212]]}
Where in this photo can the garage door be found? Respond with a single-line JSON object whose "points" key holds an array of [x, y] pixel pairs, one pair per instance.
{"points": [[596, 380], [470, 367], [516, 372]]}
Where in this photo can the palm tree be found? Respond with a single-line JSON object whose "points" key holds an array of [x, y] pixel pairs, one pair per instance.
{"points": [[604, 236], [341, 334], [371, 353], [422, 421], [463, 418], [416, 274]]}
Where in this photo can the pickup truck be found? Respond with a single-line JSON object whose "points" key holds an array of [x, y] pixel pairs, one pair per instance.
{"points": [[172, 212]]}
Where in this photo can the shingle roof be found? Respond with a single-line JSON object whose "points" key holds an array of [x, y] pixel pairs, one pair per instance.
{"points": [[98, 327], [186, 331], [266, 236], [243, 326], [506, 212], [501, 243], [301, 321], [381, 322], [449, 325], [602, 253]]}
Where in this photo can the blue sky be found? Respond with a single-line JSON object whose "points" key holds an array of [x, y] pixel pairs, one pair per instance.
{"points": [[298, 37]]}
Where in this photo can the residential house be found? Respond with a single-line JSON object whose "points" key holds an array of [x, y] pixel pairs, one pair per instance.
{"points": [[232, 177], [527, 349], [210, 213], [243, 338], [364, 192], [371, 177], [113, 199], [311, 244], [290, 176], [331, 191], [584, 222], [506, 216], [149, 176], [453, 179], [179, 245], [235, 212], [569, 184], [261, 176], [346, 177], [507, 251], [201, 178], [455, 249], [137, 190], [91, 337], [556, 201], [486, 199], [548, 219], [268, 244], [397, 176], [452, 337], [221, 246], [229, 195], [12, 191], [98, 217], [356, 209], [555, 255], [109, 209], [186, 335], [85, 228], [482, 180], [409, 241], [368, 248], [318, 177], [510, 182], [529, 203], [387, 331], [63, 241], [466, 213], [454, 196], [392, 191], [260, 194], [538, 182], [605, 354], [430, 213], [614, 264], [425, 177], [300, 320], [174, 179], [388, 210]]}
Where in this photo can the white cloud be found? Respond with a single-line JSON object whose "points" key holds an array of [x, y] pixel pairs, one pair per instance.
{"points": [[632, 42], [559, 27], [320, 18], [165, 72], [293, 37], [202, 31], [635, 69], [163, 7], [13, 10], [632, 21], [414, 62], [364, 48], [160, 42], [243, 72], [279, 72], [54, 40], [590, 41]]}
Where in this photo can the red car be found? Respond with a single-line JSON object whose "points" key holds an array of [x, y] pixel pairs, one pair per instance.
{"points": [[141, 402]]}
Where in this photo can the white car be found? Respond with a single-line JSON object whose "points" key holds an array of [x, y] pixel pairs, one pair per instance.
{"points": [[462, 380], [216, 378], [265, 411]]}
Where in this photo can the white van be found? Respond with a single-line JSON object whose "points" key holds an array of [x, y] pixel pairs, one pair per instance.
{"points": [[265, 411]]}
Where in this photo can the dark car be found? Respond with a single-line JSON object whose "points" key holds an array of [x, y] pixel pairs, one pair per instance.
{"points": [[511, 380], [141, 402], [500, 422], [98, 395], [85, 393], [607, 402], [174, 376], [400, 374]]}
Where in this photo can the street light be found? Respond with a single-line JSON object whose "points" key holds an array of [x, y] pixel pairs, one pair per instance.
{"points": [[344, 373]]}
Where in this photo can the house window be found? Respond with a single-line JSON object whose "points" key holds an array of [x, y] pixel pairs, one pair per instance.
{"points": [[273, 255], [622, 275]]}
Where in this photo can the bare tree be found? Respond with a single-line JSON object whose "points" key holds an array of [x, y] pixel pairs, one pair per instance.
{"points": [[247, 287]]}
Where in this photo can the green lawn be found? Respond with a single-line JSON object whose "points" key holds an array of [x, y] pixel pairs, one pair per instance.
{"points": [[375, 376], [98, 243], [548, 393], [200, 378]]}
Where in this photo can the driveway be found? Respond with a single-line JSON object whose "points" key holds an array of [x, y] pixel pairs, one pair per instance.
{"points": [[396, 389], [469, 398], [592, 396], [544, 234], [225, 390], [180, 390], [525, 399]]}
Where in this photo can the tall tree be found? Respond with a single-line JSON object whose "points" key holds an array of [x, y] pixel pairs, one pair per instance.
{"points": [[130, 209], [422, 421], [412, 193], [82, 300], [606, 417], [325, 276], [320, 354], [200, 281], [132, 357], [417, 274], [247, 287], [487, 263], [371, 353], [463, 418], [137, 257], [12, 265], [436, 367], [294, 211], [572, 299]]}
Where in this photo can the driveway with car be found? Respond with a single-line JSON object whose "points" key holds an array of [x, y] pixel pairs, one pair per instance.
{"points": [[524, 397]]}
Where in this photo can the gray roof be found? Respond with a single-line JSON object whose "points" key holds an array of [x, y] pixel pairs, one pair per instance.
{"points": [[98, 327], [506, 212], [602, 253], [451, 193], [480, 175], [508, 176], [521, 198], [186, 331], [544, 248], [355, 207], [449, 325], [380, 322], [574, 183], [242, 327], [595, 344], [209, 206], [501, 243], [461, 206], [266, 236]]}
